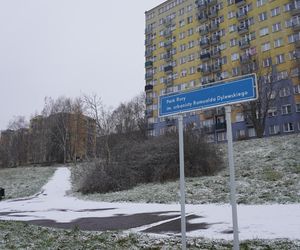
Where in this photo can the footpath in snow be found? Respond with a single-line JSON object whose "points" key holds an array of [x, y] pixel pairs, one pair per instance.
{"points": [[52, 207]]}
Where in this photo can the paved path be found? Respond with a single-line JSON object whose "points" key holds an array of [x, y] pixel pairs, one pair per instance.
{"points": [[53, 208]]}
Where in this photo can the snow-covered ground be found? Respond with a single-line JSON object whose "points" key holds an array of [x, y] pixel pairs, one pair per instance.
{"points": [[255, 221]]}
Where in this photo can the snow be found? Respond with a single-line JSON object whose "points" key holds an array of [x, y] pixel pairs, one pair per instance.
{"points": [[255, 221]]}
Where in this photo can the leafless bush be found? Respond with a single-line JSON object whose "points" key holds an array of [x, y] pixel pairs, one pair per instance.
{"points": [[153, 160]]}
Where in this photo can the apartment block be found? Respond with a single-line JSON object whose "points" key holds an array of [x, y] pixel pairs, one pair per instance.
{"points": [[189, 44]]}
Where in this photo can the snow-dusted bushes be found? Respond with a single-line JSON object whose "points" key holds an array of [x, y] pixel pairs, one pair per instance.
{"points": [[153, 160]]}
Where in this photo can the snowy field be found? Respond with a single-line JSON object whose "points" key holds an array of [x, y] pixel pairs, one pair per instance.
{"points": [[24, 181], [255, 222], [267, 172]]}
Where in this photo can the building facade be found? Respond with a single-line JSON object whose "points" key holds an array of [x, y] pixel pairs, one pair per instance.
{"points": [[58, 138], [192, 43]]}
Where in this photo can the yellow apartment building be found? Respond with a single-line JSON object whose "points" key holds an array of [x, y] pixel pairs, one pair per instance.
{"points": [[190, 43]]}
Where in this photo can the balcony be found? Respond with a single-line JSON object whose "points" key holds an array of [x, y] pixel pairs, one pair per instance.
{"points": [[168, 44], [148, 42], [211, 2], [205, 56], [215, 53], [148, 87], [215, 39], [149, 76], [148, 64], [243, 28], [216, 67], [148, 52], [240, 2], [168, 81], [203, 17], [170, 122], [244, 43], [295, 8], [296, 25], [208, 113], [149, 101], [148, 30], [241, 15], [149, 113], [220, 125], [204, 32], [213, 27], [213, 13], [205, 70], [167, 22], [168, 69], [201, 3], [245, 58], [167, 33], [204, 43]]}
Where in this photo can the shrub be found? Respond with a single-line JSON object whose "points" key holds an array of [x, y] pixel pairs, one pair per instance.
{"points": [[133, 161]]}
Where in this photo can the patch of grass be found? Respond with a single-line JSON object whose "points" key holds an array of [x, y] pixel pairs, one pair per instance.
{"points": [[24, 181], [270, 174], [19, 235]]}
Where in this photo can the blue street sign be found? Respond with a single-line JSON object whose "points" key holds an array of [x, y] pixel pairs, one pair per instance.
{"points": [[235, 90]]}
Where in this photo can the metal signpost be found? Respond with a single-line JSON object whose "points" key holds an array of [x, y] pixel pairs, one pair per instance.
{"points": [[219, 94]]}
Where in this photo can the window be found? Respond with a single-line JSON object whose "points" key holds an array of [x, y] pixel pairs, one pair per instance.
{"points": [[192, 70], [181, 23], [280, 59], [262, 16], [284, 92], [276, 27], [240, 134], [190, 19], [260, 2], [274, 129], [191, 44], [182, 35], [231, 14], [288, 127], [181, 12], [233, 42], [251, 132], [286, 109], [232, 28], [287, 7], [221, 136], [190, 31], [278, 42], [275, 11], [264, 31], [182, 47], [230, 2], [234, 57], [272, 112], [297, 89], [235, 71], [267, 62], [240, 117], [297, 107], [265, 46], [295, 72]]}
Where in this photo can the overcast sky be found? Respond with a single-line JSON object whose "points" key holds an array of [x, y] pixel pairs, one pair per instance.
{"points": [[68, 47]]}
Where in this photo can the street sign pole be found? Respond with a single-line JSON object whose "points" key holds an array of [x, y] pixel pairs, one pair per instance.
{"points": [[182, 181], [232, 180]]}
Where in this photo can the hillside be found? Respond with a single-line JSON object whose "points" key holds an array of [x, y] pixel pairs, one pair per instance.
{"points": [[267, 171]]}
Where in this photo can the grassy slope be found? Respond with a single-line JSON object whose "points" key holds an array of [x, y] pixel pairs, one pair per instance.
{"points": [[267, 171], [24, 181], [17, 235]]}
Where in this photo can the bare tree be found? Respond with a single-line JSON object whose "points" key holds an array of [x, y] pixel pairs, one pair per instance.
{"points": [[95, 108], [256, 112]]}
